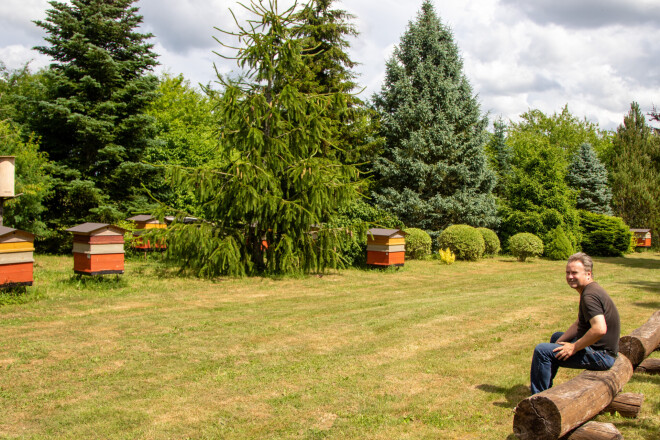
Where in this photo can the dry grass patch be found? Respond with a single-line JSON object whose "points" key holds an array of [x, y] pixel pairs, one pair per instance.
{"points": [[430, 351]]}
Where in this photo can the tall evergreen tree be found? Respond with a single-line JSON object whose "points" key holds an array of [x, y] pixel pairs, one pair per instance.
{"points": [[588, 176], [433, 171], [501, 155], [636, 173], [325, 32], [279, 181], [92, 121]]}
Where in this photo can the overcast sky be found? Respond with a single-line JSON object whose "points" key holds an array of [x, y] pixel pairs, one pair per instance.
{"points": [[597, 56]]}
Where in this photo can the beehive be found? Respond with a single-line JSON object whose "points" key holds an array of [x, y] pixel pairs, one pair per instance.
{"points": [[16, 257], [143, 223], [386, 247], [642, 236], [98, 249]]}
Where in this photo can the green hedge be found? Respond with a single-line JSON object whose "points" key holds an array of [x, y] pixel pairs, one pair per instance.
{"points": [[559, 246], [603, 235], [465, 241], [525, 245], [418, 244], [491, 241]]}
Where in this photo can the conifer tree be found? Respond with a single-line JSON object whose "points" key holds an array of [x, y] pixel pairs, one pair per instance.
{"points": [[433, 171], [325, 32], [280, 182], [636, 173], [501, 156], [588, 176], [92, 121]]}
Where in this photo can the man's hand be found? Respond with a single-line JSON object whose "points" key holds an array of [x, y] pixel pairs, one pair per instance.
{"points": [[565, 351]]}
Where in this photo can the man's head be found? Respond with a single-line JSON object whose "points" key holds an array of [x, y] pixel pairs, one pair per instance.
{"points": [[579, 271]]}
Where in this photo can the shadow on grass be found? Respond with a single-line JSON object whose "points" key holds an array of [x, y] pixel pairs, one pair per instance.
{"points": [[655, 305], [649, 286], [96, 282], [513, 395], [637, 263], [650, 431]]}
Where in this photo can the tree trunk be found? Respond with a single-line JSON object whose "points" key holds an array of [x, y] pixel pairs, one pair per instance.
{"points": [[595, 431], [649, 366], [557, 411], [626, 404], [642, 341]]}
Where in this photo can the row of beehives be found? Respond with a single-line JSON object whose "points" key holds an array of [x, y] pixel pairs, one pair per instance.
{"points": [[98, 249]]}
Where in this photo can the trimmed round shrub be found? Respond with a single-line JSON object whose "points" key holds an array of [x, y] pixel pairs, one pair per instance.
{"points": [[491, 241], [559, 246], [464, 241], [418, 244], [525, 245], [603, 235]]}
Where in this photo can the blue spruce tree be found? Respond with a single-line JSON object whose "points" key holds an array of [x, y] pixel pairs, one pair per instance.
{"points": [[433, 171], [588, 176]]}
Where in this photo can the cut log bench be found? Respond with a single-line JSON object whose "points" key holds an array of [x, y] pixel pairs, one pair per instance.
{"points": [[564, 410], [595, 431], [642, 341], [649, 366], [556, 412], [626, 404]]}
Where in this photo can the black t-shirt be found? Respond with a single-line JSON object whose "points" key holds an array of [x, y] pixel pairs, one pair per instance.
{"points": [[595, 301]]}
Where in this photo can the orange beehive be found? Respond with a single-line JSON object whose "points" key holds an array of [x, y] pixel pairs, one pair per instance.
{"points": [[16, 257], [98, 249], [386, 247], [143, 223], [642, 236]]}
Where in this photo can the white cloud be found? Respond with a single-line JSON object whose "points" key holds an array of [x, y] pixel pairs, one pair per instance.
{"points": [[594, 55]]}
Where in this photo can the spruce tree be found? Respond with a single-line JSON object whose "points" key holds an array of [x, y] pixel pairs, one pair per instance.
{"points": [[433, 171], [588, 176], [636, 173], [325, 32], [500, 156], [92, 121], [265, 211]]}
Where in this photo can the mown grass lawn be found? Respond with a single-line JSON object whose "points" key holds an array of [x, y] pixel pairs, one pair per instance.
{"points": [[429, 351]]}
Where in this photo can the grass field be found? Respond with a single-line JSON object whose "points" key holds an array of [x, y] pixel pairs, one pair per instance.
{"points": [[429, 351]]}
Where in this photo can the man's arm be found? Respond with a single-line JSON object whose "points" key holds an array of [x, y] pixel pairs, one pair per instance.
{"points": [[569, 334], [598, 330]]}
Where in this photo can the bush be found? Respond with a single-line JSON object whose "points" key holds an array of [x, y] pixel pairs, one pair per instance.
{"points": [[603, 235], [358, 217], [446, 256], [524, 245], [465, 241], [418, 244], [559, 246], [491, 241]]}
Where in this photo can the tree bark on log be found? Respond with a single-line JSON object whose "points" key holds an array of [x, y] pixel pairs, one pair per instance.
{"points": [[555, 412], [596, 431], [642, 341], [626, 404], [649, 366]]}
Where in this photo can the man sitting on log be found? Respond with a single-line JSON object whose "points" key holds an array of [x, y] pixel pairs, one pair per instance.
{"points": [[591, 342]]}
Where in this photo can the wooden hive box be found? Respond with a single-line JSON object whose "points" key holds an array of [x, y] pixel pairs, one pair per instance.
{"points": [[16, 257], [98, 249], [386, 247], [145, 222], [642, 236]]}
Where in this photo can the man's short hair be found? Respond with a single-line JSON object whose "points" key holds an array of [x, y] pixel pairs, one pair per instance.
{"points": [[585, 259]]}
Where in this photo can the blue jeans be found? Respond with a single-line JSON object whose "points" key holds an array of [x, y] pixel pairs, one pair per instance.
{"points": [[545, 364]]}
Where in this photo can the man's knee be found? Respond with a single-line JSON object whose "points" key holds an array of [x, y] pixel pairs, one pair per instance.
{"points": [[555, 336], [545, 350]]}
